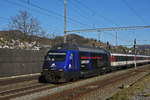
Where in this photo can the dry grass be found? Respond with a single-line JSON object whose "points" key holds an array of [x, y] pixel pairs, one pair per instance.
{"points": [[127, 93]]}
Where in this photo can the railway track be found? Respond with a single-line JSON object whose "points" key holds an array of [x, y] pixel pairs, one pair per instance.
{"points": [[7, 92], [67, 90], [17, 92], [14, 80], [80, 91], [26, 89]]}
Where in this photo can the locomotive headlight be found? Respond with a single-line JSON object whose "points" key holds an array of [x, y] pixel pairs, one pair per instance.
{"points": [[53, 65], [70, 66]]}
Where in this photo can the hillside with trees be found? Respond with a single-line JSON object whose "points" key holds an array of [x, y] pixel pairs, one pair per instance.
{"points": [[16, 39]]}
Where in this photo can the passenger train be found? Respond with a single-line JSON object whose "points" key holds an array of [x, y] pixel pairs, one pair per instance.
{"points": [[70, 62]]}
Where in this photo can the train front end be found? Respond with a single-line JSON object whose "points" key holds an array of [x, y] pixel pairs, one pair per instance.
{"points": [[54, 67]]}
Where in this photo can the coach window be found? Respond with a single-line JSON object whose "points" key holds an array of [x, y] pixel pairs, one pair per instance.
{"points": [[117, 58], [132, 58], [123, 58]]}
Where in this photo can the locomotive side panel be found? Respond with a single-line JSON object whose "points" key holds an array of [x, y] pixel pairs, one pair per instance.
{"points": [[93, 63]]}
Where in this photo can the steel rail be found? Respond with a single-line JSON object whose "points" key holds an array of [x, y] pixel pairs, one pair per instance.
{"points": [[82, 90]]}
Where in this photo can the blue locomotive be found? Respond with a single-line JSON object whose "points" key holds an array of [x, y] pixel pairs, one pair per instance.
{"points": [[70, 62]]}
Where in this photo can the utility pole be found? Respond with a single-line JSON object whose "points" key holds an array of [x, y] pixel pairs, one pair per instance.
{"points": [[135, 53], [65, 35], [116, 39], [98, 36]]}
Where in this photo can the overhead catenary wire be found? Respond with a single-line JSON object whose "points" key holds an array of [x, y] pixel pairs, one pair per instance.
{"points": [[85, 6], [134, 11], [114, 36], [85, 16], [77, 11], [37, 11], [49, 14], [89, 9], [139, 40], [53, 12], [94, 13], [45, 11], [21, 5], [92, 10]]}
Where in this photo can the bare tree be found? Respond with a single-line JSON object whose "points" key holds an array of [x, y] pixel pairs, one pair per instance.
{"points": [[25, 23]]}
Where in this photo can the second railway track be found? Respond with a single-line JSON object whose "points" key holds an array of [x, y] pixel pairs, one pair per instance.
{"points": [[16, 92]]}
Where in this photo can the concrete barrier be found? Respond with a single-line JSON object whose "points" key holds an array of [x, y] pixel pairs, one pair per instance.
{"points": [[15, 62]]}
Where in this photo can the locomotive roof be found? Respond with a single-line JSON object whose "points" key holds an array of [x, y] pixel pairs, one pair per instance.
{"points": [[80, 48]]}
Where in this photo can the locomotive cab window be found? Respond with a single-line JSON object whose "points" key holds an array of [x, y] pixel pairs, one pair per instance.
{"points": [[56, 56]]}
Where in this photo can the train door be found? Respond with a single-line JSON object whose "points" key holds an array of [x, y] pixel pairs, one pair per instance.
{"points": [[74, 59], [76, 62], [71, 64], [74, 65]]}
